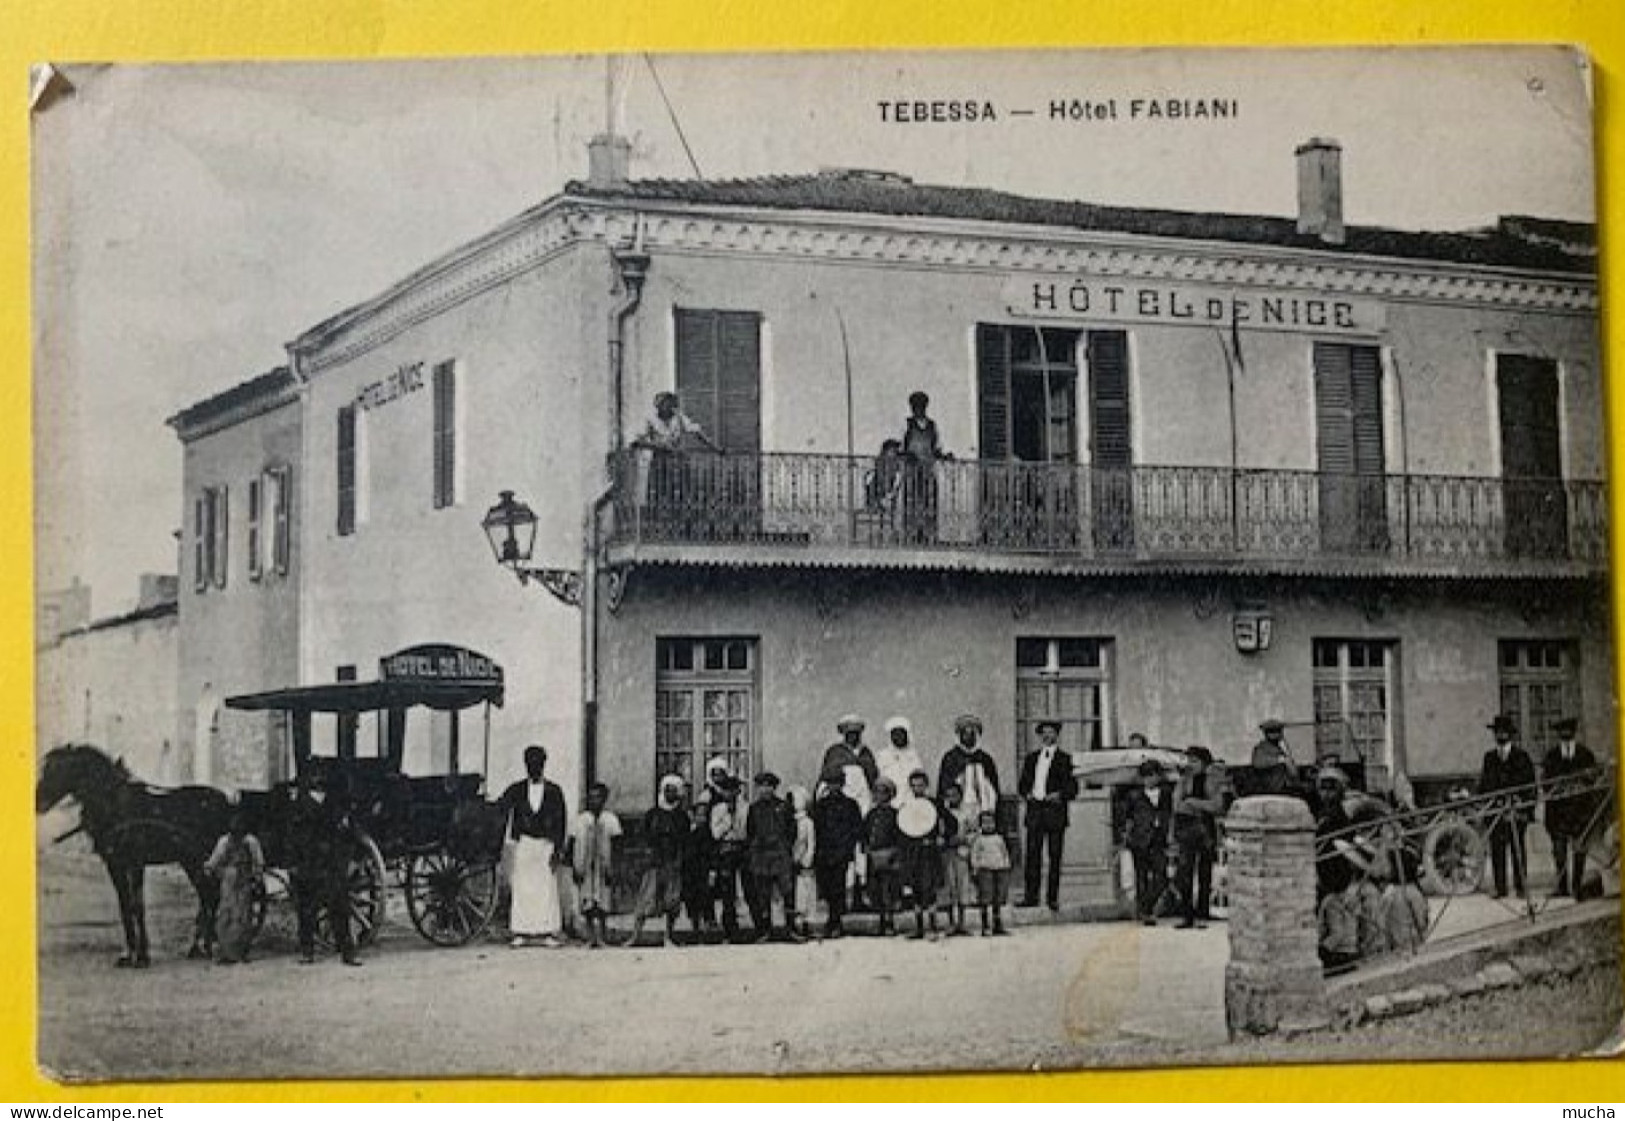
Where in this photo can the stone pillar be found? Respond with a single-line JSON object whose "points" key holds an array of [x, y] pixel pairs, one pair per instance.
{"points": [[1273, 981]]}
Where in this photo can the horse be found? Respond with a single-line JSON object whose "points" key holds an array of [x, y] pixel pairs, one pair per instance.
{"points": [[133, 826]]}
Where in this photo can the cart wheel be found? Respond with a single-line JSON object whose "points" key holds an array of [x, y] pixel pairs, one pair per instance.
{"points": [[1452, 859], [271, 890], [451, 900], [366, 889]]}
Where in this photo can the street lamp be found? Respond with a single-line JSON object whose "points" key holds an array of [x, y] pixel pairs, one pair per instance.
{"points": [[510, 527]]}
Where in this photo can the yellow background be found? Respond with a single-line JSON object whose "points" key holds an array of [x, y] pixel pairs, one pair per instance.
{"points": [[188, 30]]}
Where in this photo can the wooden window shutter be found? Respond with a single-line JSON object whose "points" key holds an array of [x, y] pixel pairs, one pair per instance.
{"points": [[346, 470], [282, 521], [1334, 408], [739, 382], [1365, 387], [993, 391], [223, 527], [1108, 400], [445, 435], [256, 501], [697, 361], [200, 574]]}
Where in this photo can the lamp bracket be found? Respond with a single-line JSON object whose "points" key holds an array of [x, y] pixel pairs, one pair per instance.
{"points": [[563, 584]]}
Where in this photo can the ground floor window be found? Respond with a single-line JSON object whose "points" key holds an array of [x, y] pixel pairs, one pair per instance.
{"points": [[1356, 714], [1540, 681], [705, 706], [1065, 679]]}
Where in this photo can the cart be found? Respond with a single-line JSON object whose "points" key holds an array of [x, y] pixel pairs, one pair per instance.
{"points": [[434, 835]]}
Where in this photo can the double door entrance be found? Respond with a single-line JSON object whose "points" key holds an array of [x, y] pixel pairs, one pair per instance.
{"points": [[1069, 680]]}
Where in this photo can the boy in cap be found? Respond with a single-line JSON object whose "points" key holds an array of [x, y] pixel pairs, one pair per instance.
{"points": [[727, 824], [1272, 760], [770, 836], [1198, 805], [1147, 812], [881, 845], [837, 831]]}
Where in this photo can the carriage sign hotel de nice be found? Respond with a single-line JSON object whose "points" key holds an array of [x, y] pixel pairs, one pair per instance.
{"points": [[1202, 469]]}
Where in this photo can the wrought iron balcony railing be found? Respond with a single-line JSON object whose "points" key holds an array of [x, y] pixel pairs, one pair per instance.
{"points": [[1111, 515]]}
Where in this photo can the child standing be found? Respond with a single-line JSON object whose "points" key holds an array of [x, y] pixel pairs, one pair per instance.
{"points": [[837, 832], [702, 917], [592, 856], [990, 862], [881, 840], [958, 882], [238, 863], [922, 856], [1147, 816], [665, 827], [804, 853], [770, 833]]}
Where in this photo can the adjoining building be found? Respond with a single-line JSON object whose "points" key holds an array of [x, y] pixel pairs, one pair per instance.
{"points": [[111, 681], [1201, 469]]}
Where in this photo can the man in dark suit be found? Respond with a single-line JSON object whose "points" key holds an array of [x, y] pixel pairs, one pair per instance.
{"points": [[1568, 814], [1506, 767], [1047, 784]]}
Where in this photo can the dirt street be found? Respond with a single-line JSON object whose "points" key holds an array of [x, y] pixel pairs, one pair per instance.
{"points": [[1065, 996]]}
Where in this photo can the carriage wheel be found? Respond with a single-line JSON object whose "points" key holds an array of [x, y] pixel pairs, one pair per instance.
{"points": [[451, 900], [273, 887], [366, 891], [1452, 859]]}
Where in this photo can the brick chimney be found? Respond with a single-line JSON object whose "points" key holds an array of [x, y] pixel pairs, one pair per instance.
{"points": [[609, 159], [1320, 190]]}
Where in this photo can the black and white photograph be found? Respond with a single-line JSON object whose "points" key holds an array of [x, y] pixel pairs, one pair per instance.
{"points": [[820, 563]]}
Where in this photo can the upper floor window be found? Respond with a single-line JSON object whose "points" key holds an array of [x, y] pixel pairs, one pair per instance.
{"points": [[210, 524], [445, 435], [719, 375], [279, 509], [346, 473], [269, 545]]}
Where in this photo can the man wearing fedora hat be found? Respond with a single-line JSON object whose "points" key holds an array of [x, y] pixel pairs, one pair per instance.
{"points": [[1568, 814], [1507, 767], [1046, 786]]}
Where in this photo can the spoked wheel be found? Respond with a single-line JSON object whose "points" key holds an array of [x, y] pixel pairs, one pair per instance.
{"points": [[366, 894], [451, 900], [1452, 859]]}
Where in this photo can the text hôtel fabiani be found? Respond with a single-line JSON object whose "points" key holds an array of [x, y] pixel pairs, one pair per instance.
{"points": [[940, 111]]}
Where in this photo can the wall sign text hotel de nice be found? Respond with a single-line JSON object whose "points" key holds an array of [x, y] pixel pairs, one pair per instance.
{"points": [[1194, 305]]}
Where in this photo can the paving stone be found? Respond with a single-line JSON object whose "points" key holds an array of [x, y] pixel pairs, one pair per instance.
{"points": [[1407, 1001], [1435, 994], [1499, 975], [1378, 1007], [1470, 985], [1531, 966]]}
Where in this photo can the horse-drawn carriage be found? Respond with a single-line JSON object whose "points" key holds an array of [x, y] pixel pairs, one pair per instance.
{"points": [[436, 834]]}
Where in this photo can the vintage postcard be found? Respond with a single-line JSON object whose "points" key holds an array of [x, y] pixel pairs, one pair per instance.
{"points": [[820, 563]]}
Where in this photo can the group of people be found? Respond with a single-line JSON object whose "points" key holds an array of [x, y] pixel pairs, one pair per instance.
{"points": [[1181, 811]]}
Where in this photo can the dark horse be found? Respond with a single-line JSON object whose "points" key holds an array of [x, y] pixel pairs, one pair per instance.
{"points": [[133, 826]]}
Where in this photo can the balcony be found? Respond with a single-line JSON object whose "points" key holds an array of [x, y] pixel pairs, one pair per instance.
{"points": [[790, 509]]}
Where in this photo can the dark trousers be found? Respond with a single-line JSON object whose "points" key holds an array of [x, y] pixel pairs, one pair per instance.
{"points": [[1193, 877], [1150, 878], [318, 890], [1570, 857], [725, 876], [832, 890], [760, 899], [1506, 841], [1040, 838]]}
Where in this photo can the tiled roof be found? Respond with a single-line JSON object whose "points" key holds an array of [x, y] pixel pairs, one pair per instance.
{"points": [[1523, 242], [243, 393]]}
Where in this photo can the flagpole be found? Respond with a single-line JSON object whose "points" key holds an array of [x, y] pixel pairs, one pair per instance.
{"points": [[851, 451]]}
